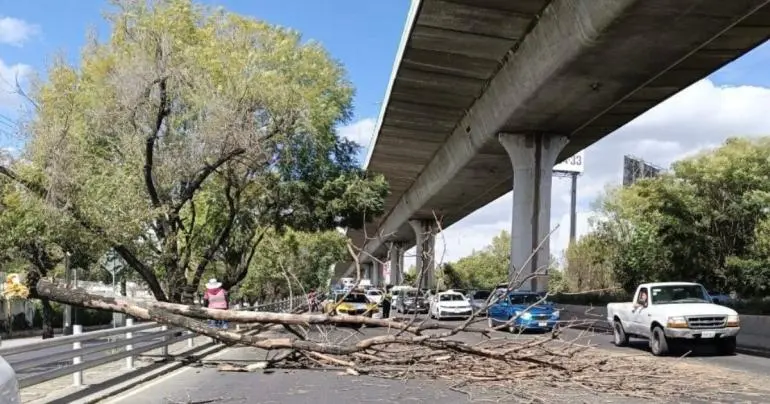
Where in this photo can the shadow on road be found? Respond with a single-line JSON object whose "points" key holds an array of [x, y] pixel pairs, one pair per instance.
{"points": [[696, 350]]}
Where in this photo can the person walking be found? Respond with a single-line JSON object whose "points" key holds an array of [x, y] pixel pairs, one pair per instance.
{"points": [[386, 300], [215, 298], [312, 301]]}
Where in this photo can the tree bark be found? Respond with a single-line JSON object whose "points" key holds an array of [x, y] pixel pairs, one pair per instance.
{"points": [[155, 311], [47, 314]]}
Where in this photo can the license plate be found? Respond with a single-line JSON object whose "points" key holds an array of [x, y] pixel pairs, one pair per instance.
{"points": [[543, 324], [707, 334]]}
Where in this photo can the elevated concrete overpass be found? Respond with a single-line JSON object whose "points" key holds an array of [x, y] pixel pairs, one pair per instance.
{"points": [[487, 91]]}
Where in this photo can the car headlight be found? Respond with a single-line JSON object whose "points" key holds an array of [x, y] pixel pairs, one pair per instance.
{"points": [[676, 322], [555, 314], [525, 316], [733, 321]]}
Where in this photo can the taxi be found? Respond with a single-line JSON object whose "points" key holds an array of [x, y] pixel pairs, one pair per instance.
{"points": [[354, 304]]}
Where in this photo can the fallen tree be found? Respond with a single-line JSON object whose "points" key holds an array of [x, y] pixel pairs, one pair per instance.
{"points": [[520, 367]]}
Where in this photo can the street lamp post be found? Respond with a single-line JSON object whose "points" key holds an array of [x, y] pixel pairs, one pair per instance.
{"points": [[67, 308]]}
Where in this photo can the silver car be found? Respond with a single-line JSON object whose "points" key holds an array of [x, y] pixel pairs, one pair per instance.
{"points": [[9, 385]]}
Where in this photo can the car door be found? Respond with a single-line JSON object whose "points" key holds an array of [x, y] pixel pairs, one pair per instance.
{"points": [[499, 310], [640, 315]]}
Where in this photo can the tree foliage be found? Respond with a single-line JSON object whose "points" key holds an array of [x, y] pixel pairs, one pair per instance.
{"points": [[292, 262], [488, 267], [186, 136], [706, 221]]}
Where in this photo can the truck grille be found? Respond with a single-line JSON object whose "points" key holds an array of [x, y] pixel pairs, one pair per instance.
{"points": [[704, 322]]}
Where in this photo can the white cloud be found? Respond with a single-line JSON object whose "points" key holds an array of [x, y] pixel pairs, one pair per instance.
{"points": [[700, 117], [8, 77], [360, 132], [14, 31]]}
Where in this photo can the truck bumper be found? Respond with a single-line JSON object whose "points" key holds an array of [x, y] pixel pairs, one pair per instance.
{"points": [[686, 333]]}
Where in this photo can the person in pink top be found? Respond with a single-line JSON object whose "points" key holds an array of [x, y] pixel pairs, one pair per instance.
{"points": [[215, 298]]}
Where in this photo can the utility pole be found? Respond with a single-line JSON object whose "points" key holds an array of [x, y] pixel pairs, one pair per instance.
{"points": [[67, 308], [573, 209]]}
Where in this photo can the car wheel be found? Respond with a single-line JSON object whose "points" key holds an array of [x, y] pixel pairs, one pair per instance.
{"points": [[727, 345], [658, 342], [621, 338]]}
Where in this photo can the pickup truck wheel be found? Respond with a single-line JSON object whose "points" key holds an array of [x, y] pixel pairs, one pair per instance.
{"points": [[658, 342], [727, 345], [621, 338]]}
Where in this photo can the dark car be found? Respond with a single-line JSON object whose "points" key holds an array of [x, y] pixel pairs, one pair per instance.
{"points": [[478, 300], [410, 301]]}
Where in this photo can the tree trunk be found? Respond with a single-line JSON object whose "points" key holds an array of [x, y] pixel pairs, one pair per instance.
{"points": [[47, 314]]}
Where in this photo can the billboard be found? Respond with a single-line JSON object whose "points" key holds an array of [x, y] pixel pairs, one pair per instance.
{"points": [[574, 164], [635, 169]]}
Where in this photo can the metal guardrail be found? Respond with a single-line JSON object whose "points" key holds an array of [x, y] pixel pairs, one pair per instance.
{"points": [[125, 344], [124, 340], [281, 305]]}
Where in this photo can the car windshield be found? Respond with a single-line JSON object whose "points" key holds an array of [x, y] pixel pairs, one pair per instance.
{"points": [[671, 294], [356, 298], [481, 295], [524, 298], [451, 297]]}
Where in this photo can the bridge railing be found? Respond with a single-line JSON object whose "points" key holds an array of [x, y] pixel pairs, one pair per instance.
{"points": [[53, 358], [50, 359], [282, 305]]}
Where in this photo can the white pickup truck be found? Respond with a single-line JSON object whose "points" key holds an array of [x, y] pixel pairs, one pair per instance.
{"points": [[671, 313]]}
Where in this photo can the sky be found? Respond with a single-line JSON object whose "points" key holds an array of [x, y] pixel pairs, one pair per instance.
{"points": [[364, 36]]}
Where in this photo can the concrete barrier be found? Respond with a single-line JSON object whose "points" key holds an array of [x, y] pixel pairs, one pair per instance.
{"points": [[753, 339]]}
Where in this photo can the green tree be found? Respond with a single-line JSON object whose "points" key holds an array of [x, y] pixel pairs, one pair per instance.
{"points": [[188, 133], [293, 261], [34, 241], [705, 221], [489, 266]]}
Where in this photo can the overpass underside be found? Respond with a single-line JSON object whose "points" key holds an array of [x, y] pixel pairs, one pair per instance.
{"points": [[486, 95]]}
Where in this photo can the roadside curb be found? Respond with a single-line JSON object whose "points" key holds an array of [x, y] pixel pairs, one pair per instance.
{"points": [[179, 361], [599, 326]]}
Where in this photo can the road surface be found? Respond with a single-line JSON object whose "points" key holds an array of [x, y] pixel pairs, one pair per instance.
{"points": [[208, 385]]}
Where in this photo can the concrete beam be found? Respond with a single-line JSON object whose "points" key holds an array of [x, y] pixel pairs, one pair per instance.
{"points": [[532, 157], [564, 31]]}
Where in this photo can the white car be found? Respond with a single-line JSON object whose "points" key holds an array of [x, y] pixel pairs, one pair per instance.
{"points": [[671, 313], [374, 295], [450, 304], [9, 385]]}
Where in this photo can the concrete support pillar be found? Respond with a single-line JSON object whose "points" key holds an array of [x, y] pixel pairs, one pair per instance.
{"points": [[396, 254], [425, 233], [533, 157], [376, 272]]}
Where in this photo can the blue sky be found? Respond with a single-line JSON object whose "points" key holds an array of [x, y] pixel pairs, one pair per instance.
{"points": [[363, 35]]}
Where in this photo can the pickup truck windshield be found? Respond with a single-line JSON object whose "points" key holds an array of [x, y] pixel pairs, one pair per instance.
{"points": [[678, 294]]}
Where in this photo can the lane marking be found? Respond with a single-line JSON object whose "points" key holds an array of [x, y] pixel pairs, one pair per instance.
{"points": [[161, 379]]}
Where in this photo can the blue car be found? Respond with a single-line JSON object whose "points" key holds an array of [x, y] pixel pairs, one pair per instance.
{"points": [[541, 317]]}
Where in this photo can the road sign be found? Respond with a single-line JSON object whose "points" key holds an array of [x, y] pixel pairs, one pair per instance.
{"points": [[574, 164]]}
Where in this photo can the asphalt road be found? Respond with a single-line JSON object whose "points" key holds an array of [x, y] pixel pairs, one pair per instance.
{"points": [[208, 385], [15, 359]]}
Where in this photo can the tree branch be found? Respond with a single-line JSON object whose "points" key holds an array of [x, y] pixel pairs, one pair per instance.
{"points": [[149, 145], [144, 271], [190, 188]]}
